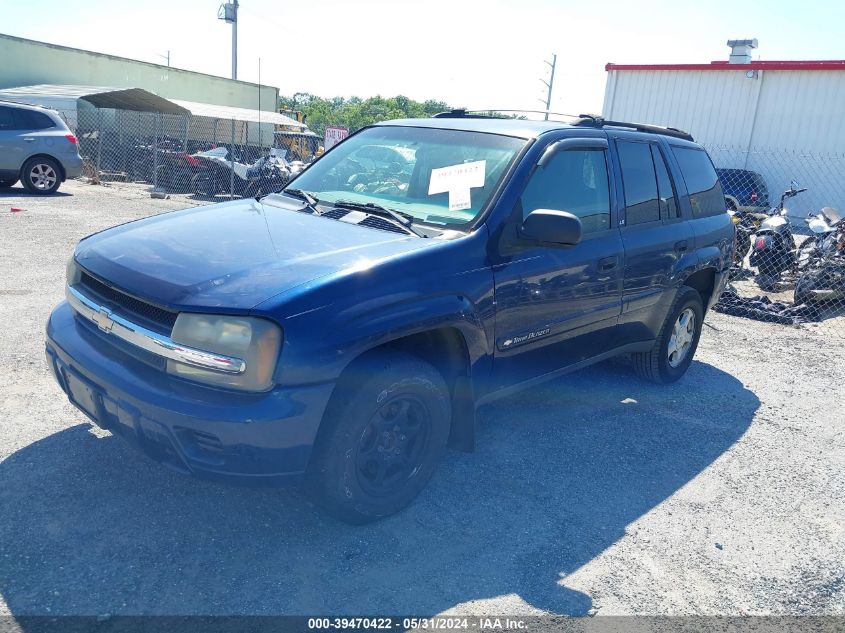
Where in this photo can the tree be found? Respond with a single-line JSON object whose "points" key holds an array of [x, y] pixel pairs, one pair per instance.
{"points": [[355, 113]]}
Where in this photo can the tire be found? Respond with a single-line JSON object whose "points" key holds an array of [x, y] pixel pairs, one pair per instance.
{"points": [[656, 364], [41, 175], [801, 294], [357, 471], [5, 184]]}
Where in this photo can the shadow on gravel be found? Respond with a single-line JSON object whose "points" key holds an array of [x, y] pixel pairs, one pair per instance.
{"points": [[19, 192], [90, 527]]}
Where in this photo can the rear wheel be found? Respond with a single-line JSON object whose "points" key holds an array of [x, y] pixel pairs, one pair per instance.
{"points": [[381, 437], [41, 175], [672, 353]]}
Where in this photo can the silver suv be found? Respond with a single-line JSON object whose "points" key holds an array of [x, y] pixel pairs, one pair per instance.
{"points": [[37, 148]]}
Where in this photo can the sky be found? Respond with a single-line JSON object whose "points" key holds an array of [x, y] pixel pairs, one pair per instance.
{"points": [[477, 54]]}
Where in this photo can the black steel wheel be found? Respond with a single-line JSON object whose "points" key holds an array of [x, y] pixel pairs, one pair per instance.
{"points": [[392, 446], [382, 435]]}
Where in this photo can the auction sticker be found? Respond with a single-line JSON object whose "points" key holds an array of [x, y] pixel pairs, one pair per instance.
{"points": [[457, 180]]}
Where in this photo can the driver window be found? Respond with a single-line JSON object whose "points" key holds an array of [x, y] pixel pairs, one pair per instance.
{"points": [[573, 181]]}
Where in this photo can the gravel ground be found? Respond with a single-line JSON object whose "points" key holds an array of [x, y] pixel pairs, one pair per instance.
{"points": [[723, 494]]}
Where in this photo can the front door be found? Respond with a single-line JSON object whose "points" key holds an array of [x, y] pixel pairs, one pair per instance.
{"points": [[10, 152], [559, 305]]}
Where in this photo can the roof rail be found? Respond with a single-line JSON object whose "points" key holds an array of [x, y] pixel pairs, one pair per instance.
{"points": [[463, 113], [23, 103], [494, 113], [585, 120], [594, 120]]}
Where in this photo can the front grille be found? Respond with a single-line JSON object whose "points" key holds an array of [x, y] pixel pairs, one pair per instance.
{"points": [[126, 305]]}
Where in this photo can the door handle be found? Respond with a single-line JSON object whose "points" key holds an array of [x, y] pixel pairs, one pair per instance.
{"points": [[608, 263], [681, 247], [29, 139]]}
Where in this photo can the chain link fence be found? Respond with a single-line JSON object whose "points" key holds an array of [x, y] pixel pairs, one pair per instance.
{"points": [[205, 157], [789, 266]]}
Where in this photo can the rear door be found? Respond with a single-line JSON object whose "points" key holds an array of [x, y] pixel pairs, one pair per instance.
{"points": [[557, 306], [654, 235]]}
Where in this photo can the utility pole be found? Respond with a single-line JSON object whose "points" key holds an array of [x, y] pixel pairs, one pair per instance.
{"points": [[167, 57], [550, 83], [229, 13]]}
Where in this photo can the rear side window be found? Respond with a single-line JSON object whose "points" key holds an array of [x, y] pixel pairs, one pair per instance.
{"points": [[575, 181], [665, 188], [640, 183], [705, 191], [35, 120]]}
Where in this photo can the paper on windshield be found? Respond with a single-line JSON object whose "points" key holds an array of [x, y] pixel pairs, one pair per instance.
{"points": [[457, 180]]}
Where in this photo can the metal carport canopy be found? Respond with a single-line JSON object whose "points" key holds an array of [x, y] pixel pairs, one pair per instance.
{"points": [[136, 99]]}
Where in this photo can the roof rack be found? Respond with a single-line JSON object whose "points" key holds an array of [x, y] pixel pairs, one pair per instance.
{"points": [[594, 120], [582, 120], [463, 113], [493, 113]]}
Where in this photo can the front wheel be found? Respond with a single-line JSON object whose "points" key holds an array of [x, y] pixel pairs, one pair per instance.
{"points": [[381, 437], [672, 353]]}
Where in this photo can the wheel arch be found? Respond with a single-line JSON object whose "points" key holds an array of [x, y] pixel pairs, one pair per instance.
{"points": [[703, 281], [62, 172], [447, 350]]}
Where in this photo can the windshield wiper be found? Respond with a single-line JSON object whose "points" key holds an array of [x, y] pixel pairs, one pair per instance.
{"points": [[310, 201], [403, 219]]}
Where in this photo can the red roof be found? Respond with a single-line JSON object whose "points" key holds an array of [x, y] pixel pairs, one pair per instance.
{"points": [[831, 64]]}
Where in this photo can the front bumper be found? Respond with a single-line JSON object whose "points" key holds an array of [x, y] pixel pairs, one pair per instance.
{"points": [[246, 438]]}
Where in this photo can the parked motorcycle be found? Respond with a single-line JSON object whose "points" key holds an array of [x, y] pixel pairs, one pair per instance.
{"points": [[269, 173], [747, 223], [822, 278], [774, 246]]}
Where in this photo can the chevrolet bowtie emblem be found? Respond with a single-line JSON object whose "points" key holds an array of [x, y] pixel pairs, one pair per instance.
{"points": [[103, 320]]}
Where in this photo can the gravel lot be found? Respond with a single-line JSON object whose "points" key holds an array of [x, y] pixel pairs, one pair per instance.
{"points": [[723, 494]]}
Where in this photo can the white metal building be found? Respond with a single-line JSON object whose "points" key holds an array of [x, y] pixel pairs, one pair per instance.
{"points": [[783, 119]]}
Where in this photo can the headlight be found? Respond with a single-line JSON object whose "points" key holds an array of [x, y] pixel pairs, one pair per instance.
{"points": [[255, 341], [72, 272]]}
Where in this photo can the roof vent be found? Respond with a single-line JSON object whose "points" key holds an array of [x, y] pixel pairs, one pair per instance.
{"points": [[741, 51]]}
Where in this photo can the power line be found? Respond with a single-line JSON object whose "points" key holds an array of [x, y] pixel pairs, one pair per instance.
{"points": [[549, 83]]}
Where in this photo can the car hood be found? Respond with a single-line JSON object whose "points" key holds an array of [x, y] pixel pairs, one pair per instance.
{"points": [[233, 255]]}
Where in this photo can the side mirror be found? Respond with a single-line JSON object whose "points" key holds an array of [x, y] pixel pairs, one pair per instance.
{"points": [[553, 227]]}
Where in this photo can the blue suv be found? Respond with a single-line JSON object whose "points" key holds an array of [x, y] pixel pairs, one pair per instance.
{"points": [[345, 329]]}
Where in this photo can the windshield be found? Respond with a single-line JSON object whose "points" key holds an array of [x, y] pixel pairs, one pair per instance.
{"points": [[443, 177]]}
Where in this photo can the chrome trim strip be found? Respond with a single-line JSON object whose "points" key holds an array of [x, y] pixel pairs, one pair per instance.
{"points": [[148, 340]]}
